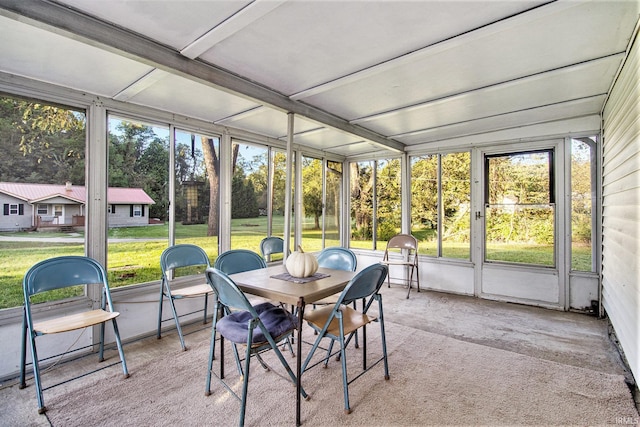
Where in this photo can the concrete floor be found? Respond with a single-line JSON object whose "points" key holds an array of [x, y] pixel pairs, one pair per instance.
{"points": [[569, 338]]}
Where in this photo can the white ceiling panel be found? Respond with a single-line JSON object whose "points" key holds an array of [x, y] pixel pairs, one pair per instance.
{"points": [[41, 55], [172, 23], [267, 121], [179, 95], [588, 79], [511, 49], [313, 42], [561, 111]]}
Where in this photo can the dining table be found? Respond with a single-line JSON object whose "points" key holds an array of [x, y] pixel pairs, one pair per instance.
{"points": [[276, 284]]}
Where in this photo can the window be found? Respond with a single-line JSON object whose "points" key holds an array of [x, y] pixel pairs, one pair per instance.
{"points": [[441, 204], [197, 184], [138, 159], [583, 199], [376, 209], [42, 144], [520, 208]]}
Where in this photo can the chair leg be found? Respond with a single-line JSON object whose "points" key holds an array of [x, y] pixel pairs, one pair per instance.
{"points": [[206, 303], [116, 332], [245, 382], [177, 320], [23, 352], [343, 359], [36, 375], [160, 311], [383, 337], [212, 349]]}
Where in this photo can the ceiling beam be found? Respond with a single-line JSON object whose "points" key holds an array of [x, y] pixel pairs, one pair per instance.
{"points": [[78, 26]]}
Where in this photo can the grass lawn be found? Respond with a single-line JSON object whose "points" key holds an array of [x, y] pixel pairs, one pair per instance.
{"points": [[131, 262]]}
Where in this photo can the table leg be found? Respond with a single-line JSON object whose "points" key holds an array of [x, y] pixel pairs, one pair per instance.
{"points": [[299, 359]]}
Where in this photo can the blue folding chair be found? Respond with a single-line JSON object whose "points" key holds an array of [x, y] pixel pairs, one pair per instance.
{"points": [[271, 245], [239, 260], [337, 258], [58, 273], [182, 257], [341, 320], [259, 328]]}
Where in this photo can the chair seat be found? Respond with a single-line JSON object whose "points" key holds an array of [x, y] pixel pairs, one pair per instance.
{"points": [[276, 320], [351, 319], [192, 291], [393, 262], [74, 321]]}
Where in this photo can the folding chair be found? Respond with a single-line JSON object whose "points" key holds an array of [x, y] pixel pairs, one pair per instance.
{"points": [[407, 246], [182, 256], [271, 245], [259, 328], [341, 320], [58, 273], [239, 260]]}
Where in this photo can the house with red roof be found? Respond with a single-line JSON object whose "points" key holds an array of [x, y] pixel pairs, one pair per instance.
{"points": [[27, 206]]}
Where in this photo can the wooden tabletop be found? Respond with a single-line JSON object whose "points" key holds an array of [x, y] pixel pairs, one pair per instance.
{"points": [[261, 283]]}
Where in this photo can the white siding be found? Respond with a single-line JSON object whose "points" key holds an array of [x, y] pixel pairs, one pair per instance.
{"points": [[621, 209]]}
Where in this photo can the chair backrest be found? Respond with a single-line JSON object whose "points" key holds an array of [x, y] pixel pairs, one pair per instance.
{"points": [[184, 255], [337, 258], [228, 292], [62, 272], [365, 283], [239, 260], [403, 241], [271, 245]]}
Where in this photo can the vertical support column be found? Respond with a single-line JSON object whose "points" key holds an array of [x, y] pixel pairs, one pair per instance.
{"points": [[96, 167], [172, 185], [405, 193], [224, 238], [96, 185], [287, 187]]}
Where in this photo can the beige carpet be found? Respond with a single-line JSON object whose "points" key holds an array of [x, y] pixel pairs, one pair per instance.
{"points": [[435, 380]]}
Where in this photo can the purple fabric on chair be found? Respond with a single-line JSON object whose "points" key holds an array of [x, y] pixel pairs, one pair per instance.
{"points": [[277, 321]]}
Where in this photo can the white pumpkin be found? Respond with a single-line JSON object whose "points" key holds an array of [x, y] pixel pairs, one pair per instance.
{"points": [[301, 264]]}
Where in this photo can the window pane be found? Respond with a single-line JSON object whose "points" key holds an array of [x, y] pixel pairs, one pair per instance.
{"points": [[582, 202], [456, 201], [388, 196], [43, 155], [278, 192], [520, 213], [424, 203], [311, 204], [138, 199], [248, 196], [197, 190], [361, 188], [333, 204]]}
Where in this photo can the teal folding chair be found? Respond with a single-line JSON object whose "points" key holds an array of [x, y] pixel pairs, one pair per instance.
{"points": [[259, 328], [182, 257], [271, 245], [239, 260], [339, 323], [58, 273], [337, 258]]}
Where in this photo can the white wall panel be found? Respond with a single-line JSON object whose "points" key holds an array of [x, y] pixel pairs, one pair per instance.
{"points": [[621, 209]]}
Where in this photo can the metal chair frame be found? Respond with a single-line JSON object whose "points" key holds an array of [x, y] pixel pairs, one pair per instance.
{"points": [[229, 297], [342, 320], [271, 245], [407, 245], [180, 256], [58, 273]]}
